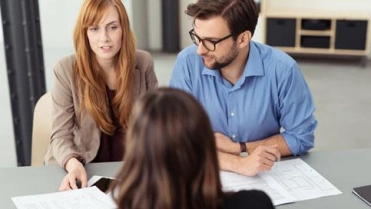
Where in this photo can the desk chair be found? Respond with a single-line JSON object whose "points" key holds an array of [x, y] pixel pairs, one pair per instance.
{"points": [[42, 119]]}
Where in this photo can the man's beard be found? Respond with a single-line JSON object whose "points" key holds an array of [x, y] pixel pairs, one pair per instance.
{"points": [[224, 60]]}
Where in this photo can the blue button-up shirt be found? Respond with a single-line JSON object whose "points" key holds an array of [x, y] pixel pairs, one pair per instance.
{"points": [[270, 97]]}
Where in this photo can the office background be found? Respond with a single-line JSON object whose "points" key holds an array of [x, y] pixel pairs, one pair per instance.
{"points": [[340, 85]]}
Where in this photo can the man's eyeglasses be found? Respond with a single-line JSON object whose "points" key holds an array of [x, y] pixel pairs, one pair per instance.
{"points": [[208, 44]]}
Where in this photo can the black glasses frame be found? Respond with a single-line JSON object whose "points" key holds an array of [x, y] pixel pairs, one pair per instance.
{"points": [[194, 36]]}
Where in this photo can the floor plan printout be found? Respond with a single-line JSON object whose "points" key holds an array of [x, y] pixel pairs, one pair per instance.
{"points": [[86, 198], [288, 181]]}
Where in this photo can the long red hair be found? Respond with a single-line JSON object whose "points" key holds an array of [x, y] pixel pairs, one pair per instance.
{"points": [[89, 77]]}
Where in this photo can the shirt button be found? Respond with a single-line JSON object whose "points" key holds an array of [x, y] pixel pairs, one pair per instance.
{"points": [[233, 136], [232, 114]]}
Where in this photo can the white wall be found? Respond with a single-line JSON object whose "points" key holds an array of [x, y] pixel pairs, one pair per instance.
{"points": [[139, 23], [57, 21], [1, 31], [185, 23], [322, 5], [155, 24], [58, 18]]}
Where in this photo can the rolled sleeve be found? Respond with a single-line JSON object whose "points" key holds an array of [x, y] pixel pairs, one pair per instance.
{"points": [[296, 110]]}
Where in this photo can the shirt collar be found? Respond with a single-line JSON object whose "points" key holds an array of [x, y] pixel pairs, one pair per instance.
{"points": [[255, 66], [208, 71]]}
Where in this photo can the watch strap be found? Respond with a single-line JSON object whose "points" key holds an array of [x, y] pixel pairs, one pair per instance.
{"points": [[243, 149], [81, 160]]}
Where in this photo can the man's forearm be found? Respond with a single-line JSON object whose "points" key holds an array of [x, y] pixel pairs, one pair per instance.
{"points": [[262, 159], [273, 140], [228, 162], [226, 145]]}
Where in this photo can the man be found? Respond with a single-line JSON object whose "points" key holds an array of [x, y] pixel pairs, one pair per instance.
{"points": [[256, 97]]}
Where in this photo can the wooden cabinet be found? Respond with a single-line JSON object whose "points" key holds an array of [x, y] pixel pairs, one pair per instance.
{"points": [[316, 32]]}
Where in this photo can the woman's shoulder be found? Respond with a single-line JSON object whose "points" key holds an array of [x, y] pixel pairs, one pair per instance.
{"points": [[68, 60], [247, 199], [142, 54], [65, 64], [144, 59]]}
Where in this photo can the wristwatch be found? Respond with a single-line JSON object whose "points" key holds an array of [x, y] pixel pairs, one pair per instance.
{"points": [[243, 152]]}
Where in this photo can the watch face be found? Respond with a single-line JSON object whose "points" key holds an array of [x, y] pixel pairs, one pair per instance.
{"points": [[243, 154]]}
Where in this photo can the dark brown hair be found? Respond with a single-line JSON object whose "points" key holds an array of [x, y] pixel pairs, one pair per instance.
{"points": [[241, 15], [89, 76], [170, 159]]}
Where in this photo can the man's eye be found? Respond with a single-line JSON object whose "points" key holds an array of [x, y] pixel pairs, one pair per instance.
{"points": [[209, 41]]}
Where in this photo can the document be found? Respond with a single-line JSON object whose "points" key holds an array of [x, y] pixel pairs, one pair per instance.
{"points": [[235, 182], [363, 192], [86, 198], [288, 181]]}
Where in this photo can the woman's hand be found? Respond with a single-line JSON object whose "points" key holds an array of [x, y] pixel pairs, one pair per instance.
{"points": [[76, 177]]}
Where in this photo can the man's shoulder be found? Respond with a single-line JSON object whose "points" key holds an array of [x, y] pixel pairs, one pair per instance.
{"points": [[273, 54], [275, 61], [188, 52], [189, 61]]}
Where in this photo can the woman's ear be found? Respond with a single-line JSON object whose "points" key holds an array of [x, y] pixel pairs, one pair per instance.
{"points": [[244, 39]]}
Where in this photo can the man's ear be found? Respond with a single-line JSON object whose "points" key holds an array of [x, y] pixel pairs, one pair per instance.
{"points": [[244, 39]]}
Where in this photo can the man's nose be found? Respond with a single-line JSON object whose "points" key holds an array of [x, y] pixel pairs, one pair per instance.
{"points": [[201, 49]]}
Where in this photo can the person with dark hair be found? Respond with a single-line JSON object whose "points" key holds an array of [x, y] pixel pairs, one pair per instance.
{"points": [[256, 97], [170, 159], [94, 90]]}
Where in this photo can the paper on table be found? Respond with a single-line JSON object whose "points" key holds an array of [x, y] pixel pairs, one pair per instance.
{"points": [[236, 182], [86, 198], [301, 180], [288, 181]]}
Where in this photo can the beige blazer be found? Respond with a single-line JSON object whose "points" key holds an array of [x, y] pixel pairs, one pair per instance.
{"points": [[82, 139]]}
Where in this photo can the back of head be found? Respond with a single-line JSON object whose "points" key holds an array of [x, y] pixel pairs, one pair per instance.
{"points": [[241, 15], [170, 159]]}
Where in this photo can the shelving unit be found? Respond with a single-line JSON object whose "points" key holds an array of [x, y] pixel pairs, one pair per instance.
{"points": [[317, 32]]}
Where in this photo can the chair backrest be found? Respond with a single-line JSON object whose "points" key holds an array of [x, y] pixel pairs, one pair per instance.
{"points": [[41, 130]]}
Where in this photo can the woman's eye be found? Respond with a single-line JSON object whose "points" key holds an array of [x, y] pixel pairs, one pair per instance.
{"points": [[93, 29], [113, 27]]}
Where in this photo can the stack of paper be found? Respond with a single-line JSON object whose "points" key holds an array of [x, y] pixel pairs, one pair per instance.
{"points": [[288, 181], [86, 198]]}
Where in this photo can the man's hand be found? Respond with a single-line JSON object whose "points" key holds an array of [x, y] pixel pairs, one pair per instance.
{"points": [[262, 154], [76, 175], [261, 159]]}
